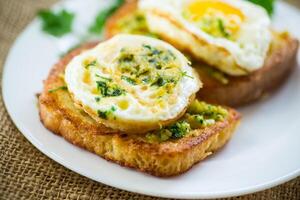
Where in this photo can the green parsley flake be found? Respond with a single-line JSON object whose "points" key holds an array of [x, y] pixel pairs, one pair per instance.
{"points": [[92, 63], [208, 111], [128, 79], [107, 114], [109, 90], [179, 129], [186, 75], [104, 78], [58, 88], [159, 81], [97, 99], [174, 131], [222, 28]]}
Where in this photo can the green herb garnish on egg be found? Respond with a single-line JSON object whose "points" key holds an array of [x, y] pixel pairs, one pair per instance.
{"points": [[107, 113], [128, 79]]}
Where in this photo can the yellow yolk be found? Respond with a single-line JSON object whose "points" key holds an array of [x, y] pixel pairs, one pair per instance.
{"points": [[95, 91], [231, 17], [86, 77], [123, 104], [199, 8]]}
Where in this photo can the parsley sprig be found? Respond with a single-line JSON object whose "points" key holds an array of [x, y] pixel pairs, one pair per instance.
{"points": [[56, 23], [60, 23]]}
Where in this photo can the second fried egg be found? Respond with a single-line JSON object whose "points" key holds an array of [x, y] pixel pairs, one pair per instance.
{"points": [[232, 35]]}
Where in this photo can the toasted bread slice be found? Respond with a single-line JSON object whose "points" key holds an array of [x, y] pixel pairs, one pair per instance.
{"points": [[172, 157], [112, 26], [240, 90]]}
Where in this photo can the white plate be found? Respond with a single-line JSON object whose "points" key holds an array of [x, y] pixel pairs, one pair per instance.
{"points": [[264, 152]]}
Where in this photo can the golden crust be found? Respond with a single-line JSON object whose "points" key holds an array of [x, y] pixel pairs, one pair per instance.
{"points": [[280, 62], [58, 114]]}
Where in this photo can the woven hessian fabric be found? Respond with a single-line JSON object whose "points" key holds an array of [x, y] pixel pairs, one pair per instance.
{"points": [[25, 173]]}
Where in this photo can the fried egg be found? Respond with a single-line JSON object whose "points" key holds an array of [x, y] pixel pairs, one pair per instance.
{"points": [[132, 83], [231, 35]]}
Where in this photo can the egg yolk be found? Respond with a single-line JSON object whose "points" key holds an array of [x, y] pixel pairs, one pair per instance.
{"points": [[215, 17], [123, 104], [200, 7]]}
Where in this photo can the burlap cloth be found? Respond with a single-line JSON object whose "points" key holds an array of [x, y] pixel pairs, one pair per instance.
{"points": [[25, 173]]}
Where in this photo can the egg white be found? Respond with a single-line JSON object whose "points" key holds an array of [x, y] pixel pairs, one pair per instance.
{"points": [[245, 54], [142, 112]]}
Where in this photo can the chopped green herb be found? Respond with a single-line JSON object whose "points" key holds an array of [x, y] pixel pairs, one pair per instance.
{"points": [[164, 135], [102, 87], [174, 131], [267, 4], [107, 114], [179, 129], [146, 80], [199, 118], [107, 90], [158, 66], [58, 88], [117, 92], [207, 111], [199, 121], [141, 73], [104, 78], [56, 24], [222, 28], [93, 63], [102, 114], [147, 46], [113, 108], [128, 79], [159, 81], [100, 20], [152, 50], [161, 136], [186, 75], [97, 99], [125, 58]]}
